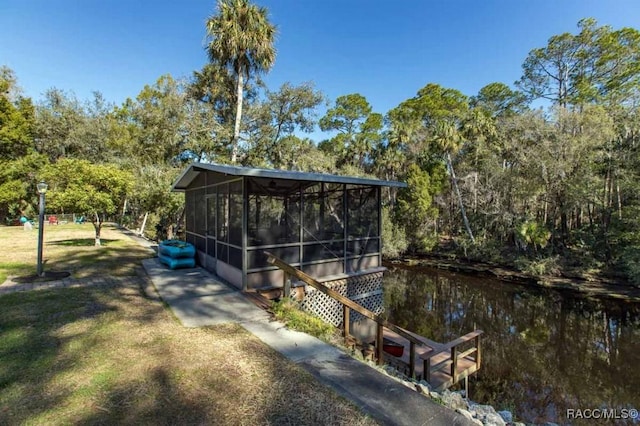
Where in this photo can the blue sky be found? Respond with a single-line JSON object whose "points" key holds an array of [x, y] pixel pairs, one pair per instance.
{"points": [[385, 50]]}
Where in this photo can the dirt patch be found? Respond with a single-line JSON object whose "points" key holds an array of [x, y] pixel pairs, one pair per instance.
{"points": [[45, 277]]}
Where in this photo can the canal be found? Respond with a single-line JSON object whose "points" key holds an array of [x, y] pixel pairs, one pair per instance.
{"points": [[544, 351]]}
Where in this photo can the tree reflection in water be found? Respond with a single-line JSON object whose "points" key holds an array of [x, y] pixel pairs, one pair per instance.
{"points": [[543, 351]]}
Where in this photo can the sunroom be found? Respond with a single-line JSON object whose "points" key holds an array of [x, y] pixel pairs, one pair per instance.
{"points": [[325, 225]]}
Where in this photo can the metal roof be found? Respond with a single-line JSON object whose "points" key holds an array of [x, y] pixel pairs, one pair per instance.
{"points": [[194, 169]]}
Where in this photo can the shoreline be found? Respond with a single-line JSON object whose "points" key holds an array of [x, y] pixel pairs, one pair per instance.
{"points": [[597, 288]]}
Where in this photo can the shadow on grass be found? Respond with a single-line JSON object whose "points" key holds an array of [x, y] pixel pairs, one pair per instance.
{"points": [[163, 403], [112, 261], [46, 276], [31, 350], [59, 365], [80, 242]]}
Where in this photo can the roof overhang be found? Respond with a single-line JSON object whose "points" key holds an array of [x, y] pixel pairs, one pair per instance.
{"points": [[192, 171]]}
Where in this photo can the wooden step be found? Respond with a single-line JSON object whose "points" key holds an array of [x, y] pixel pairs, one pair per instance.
{"points": [[270, 293]]}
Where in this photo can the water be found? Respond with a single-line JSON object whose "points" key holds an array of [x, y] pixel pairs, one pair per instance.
{"points": [[544, 351]]}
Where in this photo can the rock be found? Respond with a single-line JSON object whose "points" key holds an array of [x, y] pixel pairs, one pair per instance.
{"points": [[487, 414], [453, 400], [483, 410], [518, 424], [434, 395], [506, 415], [389, 370], [409, 385], [478, 422], [422, 389], [464, 413], [493, 420]]}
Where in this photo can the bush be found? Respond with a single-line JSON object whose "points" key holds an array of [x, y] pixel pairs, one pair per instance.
{"points": [[394, 238], [537, 267], [630, 261]]}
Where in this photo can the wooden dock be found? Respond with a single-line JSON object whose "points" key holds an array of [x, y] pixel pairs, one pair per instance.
{"points": [[437, 359], [440, 364]]}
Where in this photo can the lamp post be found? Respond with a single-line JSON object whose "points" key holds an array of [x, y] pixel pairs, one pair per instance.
{"points": [[42, 189]]}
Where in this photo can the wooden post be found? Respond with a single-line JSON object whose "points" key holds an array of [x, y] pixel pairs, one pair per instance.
{"points": [[345, 323], [454, 364], [412, 359], [426, 370], [466, 387], [379, 343], [286, 285], [478, 352]]}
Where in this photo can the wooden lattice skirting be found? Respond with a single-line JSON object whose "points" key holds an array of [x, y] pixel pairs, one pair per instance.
{"points": [[363, 288]]}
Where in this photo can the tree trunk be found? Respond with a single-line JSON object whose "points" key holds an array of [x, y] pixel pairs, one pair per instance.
{"points": [[144, 223], [455, 186], [475, 192], [236, 128], [97, 225], [124, 211], [619, 200]]}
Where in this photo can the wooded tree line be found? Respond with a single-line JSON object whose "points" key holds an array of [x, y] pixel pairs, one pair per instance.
{"points": [[543, 174]]}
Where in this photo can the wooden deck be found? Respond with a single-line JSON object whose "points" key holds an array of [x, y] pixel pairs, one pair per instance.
{"points": [[440, 364], [439, 357]]}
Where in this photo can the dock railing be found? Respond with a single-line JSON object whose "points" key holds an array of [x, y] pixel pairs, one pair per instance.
{"points": [[347, 306], [438, 358], [454, 356]]}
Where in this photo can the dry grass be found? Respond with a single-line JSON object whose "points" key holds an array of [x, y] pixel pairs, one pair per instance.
{"points": [[69, 247], [112, 356]]}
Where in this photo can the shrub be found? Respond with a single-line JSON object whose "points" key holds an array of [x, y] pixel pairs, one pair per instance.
{"points": [[394, 238], [544, 266]]}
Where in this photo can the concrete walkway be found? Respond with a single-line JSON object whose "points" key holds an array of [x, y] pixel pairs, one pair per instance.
{"points": [[198, 298]]}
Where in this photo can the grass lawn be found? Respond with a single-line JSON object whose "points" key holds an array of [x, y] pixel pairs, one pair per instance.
{"points": [[113, 356], [68, 247]]}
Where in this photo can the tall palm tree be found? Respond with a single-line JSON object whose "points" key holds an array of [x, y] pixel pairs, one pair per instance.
{"points": [[241, 38], [448, 138]]}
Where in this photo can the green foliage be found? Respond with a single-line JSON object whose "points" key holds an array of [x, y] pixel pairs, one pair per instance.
{"points": [[288, 311], [534, 234], [434, 104], [415, 209], [212, 92], [82, 187], [58, 117], [93, 190], [151, 194], [18, 179], [160, 115], [627, 249], [16, 119], [592, 65], [538, 267], [394, 238], [241, 38], [499, 100], [275, 121], [359, 130]]}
